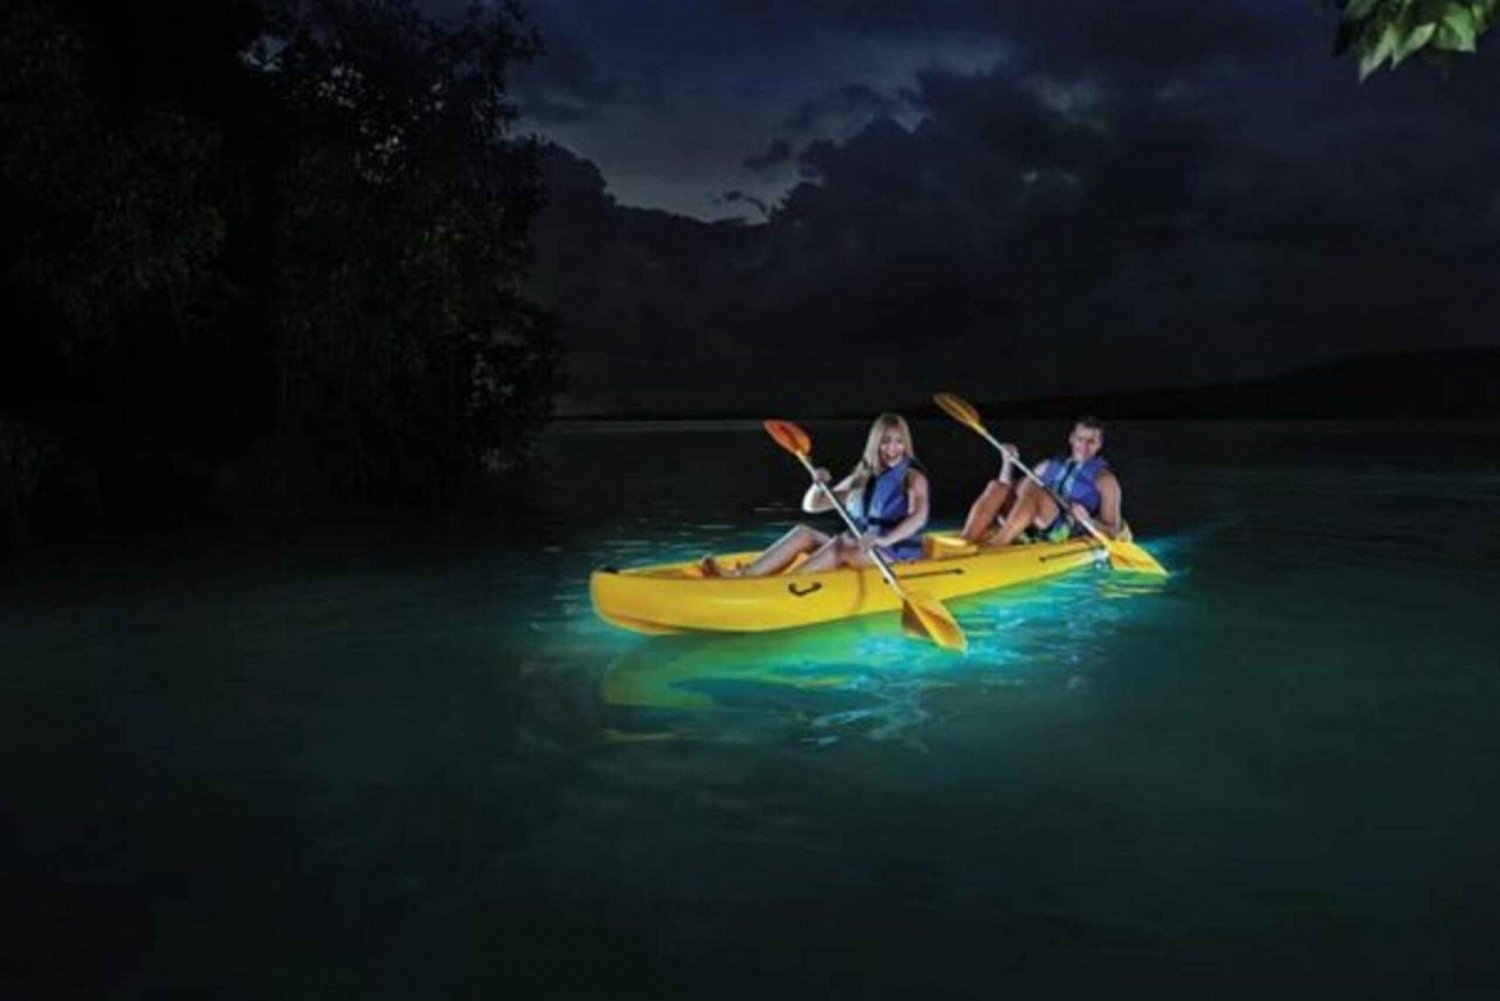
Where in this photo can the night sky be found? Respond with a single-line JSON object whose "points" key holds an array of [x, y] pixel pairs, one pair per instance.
{"points": [[1014, 199]]}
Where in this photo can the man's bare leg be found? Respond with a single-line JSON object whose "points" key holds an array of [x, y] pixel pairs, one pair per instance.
{"points": [[985, 510], [1034, 506]]}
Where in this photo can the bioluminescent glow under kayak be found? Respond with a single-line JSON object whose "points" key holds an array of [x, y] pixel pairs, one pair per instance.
{"points": [[677, 597]]}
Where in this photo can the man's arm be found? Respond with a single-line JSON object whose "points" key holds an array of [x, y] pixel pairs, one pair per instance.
{"points": [[1110, 521]]}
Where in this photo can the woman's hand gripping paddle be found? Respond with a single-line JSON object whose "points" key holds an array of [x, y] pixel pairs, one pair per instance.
{"points": [[1122, 555], [921, 616]]}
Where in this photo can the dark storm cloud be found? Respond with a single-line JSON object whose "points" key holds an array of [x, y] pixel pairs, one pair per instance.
{"points": [[878, 15], [1057, 236], [1002, 112], [546, 108], [1164, 37], [906, 17], [563, 86], [1124, 195], [733, 198], [661, 49], [1158, 33], [853, 100], [658, 91], [779, 152]]}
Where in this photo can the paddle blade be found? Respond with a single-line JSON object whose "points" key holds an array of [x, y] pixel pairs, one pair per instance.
{"points": [[926, 618], [789, 436], [958, 408], [1129, 556]]}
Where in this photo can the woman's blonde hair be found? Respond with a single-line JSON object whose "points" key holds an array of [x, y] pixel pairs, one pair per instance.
{"points": [[869, 463]]}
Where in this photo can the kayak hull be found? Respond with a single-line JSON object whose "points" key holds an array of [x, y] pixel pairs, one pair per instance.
{"points": [[677, 597]]}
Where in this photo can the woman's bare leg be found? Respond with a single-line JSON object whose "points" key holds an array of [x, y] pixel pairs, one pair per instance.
{"points": [[828, 556], [843, 551], [801, 539]]}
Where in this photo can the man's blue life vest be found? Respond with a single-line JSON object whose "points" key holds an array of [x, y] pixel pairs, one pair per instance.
{"points": [[1075, 484]]}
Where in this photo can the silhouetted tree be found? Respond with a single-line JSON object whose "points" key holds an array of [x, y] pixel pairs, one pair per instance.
{"points": [[402, 339], [272, 236]]}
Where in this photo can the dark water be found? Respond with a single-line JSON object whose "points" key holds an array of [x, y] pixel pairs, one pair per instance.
{"points": [[402, 764]]}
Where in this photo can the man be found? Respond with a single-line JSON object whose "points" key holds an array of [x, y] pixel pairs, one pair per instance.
{"points": [[1083, 479]]}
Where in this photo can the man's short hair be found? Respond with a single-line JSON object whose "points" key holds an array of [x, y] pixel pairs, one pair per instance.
{"points": [[1090, 421]]}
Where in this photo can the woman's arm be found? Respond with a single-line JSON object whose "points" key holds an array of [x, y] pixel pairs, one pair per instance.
{"points": [[815, 502]]}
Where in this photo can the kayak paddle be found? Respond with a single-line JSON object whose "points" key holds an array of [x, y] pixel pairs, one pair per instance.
{"points": [[921, 616], [1122, 555]]}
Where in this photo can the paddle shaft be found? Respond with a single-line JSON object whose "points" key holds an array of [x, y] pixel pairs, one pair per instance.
{"points": [[1062, 505], [875, 553]]}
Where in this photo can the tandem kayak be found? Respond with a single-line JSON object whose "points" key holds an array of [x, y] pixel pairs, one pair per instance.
{"points": [[678, 597]]}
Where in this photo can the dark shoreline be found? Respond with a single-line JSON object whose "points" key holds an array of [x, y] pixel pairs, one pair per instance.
{"points": [[1462, 384]]}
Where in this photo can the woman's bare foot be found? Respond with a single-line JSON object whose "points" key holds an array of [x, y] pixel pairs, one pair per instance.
{"points": [[711, 567]]}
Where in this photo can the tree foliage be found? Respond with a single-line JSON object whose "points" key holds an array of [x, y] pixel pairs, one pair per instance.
{"points": [[269, 234], [1387, 32], [404, 228], [111, 208]]}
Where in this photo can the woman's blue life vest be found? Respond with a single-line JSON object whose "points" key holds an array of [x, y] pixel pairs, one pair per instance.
{"points": [[1075, 484], [881, 504]]}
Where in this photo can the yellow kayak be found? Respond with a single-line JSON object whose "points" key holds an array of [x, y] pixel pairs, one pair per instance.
{"points": [[677, 597]]}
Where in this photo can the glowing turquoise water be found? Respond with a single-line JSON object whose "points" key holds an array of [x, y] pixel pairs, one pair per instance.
{"points": [[397, 763]]}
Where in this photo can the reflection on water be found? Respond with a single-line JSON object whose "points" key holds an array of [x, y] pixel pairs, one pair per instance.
{"points": [[862, 677], [432, 771]]}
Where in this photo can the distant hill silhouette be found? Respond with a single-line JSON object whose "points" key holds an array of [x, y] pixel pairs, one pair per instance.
{"points": [[665, 316], [1418, 384], [1450, 384]]}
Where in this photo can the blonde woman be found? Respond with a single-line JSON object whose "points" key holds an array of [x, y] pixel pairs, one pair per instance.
{"points": [[887, 496]]}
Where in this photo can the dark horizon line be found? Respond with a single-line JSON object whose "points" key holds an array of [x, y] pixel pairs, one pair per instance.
{"points": [[1447, 383]]}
